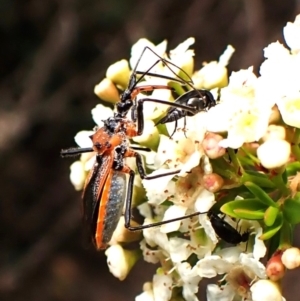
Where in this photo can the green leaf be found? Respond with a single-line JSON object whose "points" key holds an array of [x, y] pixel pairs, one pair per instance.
{"points": [[270, 215], [285, 177], [248, 214], [257, 178], [245, 209], [260, 194], [291, 209], [293, 168], [272, 230]]}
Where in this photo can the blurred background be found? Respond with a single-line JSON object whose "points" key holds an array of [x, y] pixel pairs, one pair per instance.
{"points": [[52, 54]]}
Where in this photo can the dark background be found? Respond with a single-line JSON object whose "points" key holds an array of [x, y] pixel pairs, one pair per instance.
{"points": [[52, 54]]}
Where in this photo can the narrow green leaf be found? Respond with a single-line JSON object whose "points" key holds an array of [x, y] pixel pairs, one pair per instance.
{"points": [[257, 178], [272, 230], [260, 194], [291, 209], [249, 214], [270, 215], [293, 168], [246, 209]]}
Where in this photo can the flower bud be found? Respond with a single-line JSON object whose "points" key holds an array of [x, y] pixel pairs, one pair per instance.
{"points": [[119, 73], [274, 132], [275, 269], [265, 290], [212, 75], [274, 153], [147, 294], [107, 91], [121, 234], [291, 258], [213, 182], [77, 174], [211, 146], [121, 261]]}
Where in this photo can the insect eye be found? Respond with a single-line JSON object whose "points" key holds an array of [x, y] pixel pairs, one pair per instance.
{"points": [[98, 145]]}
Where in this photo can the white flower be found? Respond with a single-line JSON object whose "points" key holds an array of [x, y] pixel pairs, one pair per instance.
{"points": [[83, 139], [77, 174], [259, 248], [183, 153], [241, 86], [291, 34], [214, 74], [182, 57], [240, 269], [265, 290], [248, 123], [212, 266], [100, 113], [149, 255], [289, 107], [147, 294], [216, 293], [189, 281], [291, 258], [274, 153], [180, 249], [171, 213], [239, 113], [154, 237], [162, 287], [204, 202], [148, 58], [118, 73], [120, 261]]}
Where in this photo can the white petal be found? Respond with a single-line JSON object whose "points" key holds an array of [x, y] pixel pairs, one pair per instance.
{"points": [[217, 293], [265, 290], [259, 249], [83, 139], [171, 213], [162, 287], [257, 267], [212, 266], [179, 249], [100, 113]]}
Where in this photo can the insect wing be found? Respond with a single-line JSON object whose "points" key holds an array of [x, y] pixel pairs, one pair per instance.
{"points": [[92, 191], [110, 207]]}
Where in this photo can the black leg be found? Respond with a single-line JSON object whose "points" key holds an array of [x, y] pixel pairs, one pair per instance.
{"points": [[141, 170], [128, 206], [74, 151], [167, 63], [140, 108]]}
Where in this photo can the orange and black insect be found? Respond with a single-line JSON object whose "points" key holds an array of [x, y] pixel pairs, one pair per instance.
{"points": [[106, 188]]}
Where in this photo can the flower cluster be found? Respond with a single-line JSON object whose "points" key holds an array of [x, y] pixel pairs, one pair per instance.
{"points": [[239, 159]]}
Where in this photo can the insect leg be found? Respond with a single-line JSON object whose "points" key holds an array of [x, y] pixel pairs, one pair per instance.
{"points": [[74, 151], [128, 206], [140, 109]]}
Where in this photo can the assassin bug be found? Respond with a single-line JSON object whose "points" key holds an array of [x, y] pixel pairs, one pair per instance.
{"points": [[105, 187]]}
